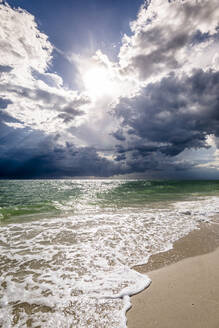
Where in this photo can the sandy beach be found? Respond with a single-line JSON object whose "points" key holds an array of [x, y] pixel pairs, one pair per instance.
{"points": [[184, 293]]}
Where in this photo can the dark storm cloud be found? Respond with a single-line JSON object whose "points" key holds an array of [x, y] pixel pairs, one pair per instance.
{"points": [[174, 114], [119, 135], [152, 163], [31, 154], [119, 158], [137, 149]]}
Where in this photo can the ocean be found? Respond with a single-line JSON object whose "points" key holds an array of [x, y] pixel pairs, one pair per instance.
{"points": [[67, 247]]}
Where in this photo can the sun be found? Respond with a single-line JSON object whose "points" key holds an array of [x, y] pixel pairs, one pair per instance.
{"points": [[97, 81]]}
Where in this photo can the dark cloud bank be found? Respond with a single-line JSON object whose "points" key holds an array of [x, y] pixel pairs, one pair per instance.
{"points": [[179, 112], [31, 154]]}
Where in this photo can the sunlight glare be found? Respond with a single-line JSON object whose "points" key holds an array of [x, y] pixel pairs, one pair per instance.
{"points": [[97, 81]]}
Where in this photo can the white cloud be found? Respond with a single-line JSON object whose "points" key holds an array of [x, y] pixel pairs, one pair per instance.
{"points": [[22, 45], [171, 36], [37, 97], [212, 159]]}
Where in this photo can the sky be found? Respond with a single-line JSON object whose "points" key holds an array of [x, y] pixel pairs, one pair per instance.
{"points": [[109, 89]]}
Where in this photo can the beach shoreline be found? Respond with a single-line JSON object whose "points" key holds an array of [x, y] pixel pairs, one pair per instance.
{"points": [[184, 291]]}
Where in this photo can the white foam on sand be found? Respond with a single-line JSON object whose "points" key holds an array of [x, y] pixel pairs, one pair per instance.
{"points": [[76, 271]]}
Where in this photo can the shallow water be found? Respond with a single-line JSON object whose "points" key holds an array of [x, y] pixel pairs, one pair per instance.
{"points": [[67, 247]]}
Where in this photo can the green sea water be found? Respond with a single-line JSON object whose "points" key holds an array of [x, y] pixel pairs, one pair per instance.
{"points": [[34, 199]]}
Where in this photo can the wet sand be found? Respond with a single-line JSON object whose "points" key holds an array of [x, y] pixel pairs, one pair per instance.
{"points": [[184, 292]]}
